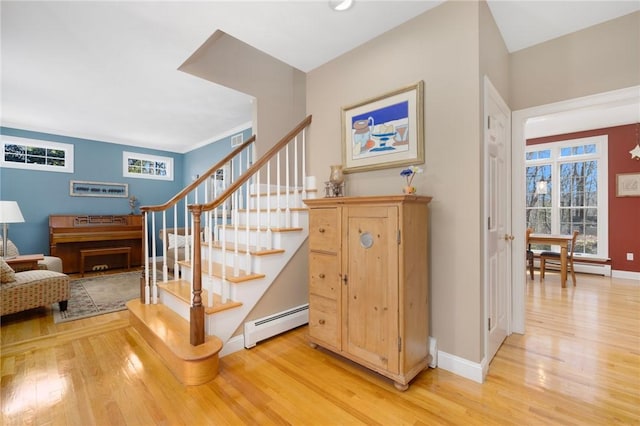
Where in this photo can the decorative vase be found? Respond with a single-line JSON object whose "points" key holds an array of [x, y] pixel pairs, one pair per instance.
{"points": [[409, 189], [336, 176]]}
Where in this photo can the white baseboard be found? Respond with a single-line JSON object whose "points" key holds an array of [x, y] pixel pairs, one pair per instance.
{"points": [[627, 275], [235, 344], [462, 367]]}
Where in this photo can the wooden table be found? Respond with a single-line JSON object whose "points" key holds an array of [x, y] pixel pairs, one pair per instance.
{"points": [[555, 240], [24, 262]]}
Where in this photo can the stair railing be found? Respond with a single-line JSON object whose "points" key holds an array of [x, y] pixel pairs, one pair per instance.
{"points": [[221, 228]]}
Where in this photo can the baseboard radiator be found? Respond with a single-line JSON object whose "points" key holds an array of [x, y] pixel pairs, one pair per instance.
{"points": [[263, 328]]}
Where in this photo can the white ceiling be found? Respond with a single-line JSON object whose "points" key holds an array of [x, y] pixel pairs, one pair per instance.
{"points": [[108, 70]]}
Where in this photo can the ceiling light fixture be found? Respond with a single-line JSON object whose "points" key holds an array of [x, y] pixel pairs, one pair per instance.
{"points": [[340, 5]]}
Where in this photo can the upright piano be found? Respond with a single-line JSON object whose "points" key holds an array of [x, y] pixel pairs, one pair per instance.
{"points": [[68, 234]]}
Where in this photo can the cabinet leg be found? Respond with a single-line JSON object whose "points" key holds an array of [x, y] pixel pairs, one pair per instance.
{"points": [[401, 387], [313, 345]]}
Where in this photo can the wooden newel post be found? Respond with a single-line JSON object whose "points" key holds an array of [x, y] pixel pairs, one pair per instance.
{"points": [[197, 309]]}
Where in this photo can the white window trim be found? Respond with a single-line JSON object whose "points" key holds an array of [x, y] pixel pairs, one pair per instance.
{"points": [[602, 155], [14, 140], [126, 155]]}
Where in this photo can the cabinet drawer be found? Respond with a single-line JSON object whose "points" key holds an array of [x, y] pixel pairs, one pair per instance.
{"points": [[324, 230], [323, 320], [324, 275]]}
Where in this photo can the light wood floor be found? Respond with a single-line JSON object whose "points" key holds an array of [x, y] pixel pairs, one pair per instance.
{"points": [[578, 363]]}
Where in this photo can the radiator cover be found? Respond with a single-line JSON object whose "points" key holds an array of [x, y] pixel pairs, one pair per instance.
{"points": [[263, 328]]}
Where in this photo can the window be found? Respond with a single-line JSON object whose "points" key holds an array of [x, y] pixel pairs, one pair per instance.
{"points": [[147, 166], [22, 153], [567, 190]]}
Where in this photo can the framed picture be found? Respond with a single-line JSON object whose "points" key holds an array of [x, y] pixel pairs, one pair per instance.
{"points": [[628, 185], [383, 132], [78, 188]]}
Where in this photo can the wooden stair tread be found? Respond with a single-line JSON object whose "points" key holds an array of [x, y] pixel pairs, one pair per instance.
{"points": [[217, 272], [274, 209], [242, 248], [182, 290], [262, 228], [168, 334]]}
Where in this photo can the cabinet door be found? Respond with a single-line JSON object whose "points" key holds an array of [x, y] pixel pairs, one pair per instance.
{"points": [[370, 297]]}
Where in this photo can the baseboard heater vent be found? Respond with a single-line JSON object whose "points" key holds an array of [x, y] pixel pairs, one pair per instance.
{"points": [[263, 328]]}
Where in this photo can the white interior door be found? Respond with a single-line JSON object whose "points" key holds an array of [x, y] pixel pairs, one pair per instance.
{"points": [[498, 234]]}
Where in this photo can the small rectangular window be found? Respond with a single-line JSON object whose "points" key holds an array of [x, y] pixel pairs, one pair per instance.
{"points": [[538, 155], [22, 153], [144, 166]]}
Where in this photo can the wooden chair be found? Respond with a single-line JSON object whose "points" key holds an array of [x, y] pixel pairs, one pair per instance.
{"points": [[529, 253], [554, 258]]}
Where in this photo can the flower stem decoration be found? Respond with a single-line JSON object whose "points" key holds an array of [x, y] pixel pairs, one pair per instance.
{"points": [[410, 173], [133, 203]]}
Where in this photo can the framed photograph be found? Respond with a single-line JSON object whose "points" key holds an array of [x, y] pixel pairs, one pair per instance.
{"points": [[78, 188], [628, 185], [383, 132]]}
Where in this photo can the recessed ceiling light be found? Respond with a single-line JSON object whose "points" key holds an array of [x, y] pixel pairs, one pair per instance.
{"points": [[340, 5]]}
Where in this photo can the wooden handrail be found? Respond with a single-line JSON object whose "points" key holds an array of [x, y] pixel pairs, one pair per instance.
{"points": [[254, 167], [180, 195]]}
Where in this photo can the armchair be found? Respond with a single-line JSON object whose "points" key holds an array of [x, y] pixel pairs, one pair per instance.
{"points": [[49, 263], [24, 290]]}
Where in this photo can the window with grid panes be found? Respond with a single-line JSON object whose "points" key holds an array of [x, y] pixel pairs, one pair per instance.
{"points": [[575, 198]]}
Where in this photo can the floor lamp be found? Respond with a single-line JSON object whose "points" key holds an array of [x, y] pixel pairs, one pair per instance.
{"points": [[9, 213]]}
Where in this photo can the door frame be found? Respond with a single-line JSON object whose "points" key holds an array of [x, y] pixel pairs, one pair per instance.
{"points": [[519, 120]]}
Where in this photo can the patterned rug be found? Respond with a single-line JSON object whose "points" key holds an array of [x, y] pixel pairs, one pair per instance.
{"points": [[99, 295]]}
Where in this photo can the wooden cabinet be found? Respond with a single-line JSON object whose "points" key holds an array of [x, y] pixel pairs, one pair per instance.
{"points": [[368, 281]]}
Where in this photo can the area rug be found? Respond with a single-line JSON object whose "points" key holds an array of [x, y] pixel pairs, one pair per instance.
{"points": [[98, 295]]}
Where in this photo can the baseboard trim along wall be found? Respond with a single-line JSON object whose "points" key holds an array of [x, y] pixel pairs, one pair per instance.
{"points": [[627, 275], [460, 366]]}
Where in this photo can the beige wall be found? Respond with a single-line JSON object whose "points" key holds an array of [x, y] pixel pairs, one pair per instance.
{"points": [[599, 59], [441, 48], [279, 89]]}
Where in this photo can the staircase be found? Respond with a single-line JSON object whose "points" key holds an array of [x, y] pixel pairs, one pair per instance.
{"points": [[250, 223]]}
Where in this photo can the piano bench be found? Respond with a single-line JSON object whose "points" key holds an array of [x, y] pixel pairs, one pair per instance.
{"points": [[84, 253]]}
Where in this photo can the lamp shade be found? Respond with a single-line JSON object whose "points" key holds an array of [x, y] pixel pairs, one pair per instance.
{"points": [[541, 187], [10, 212]]}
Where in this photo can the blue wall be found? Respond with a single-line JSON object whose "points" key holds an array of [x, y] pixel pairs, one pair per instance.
{"points": [[41, 193], [199, 160]]}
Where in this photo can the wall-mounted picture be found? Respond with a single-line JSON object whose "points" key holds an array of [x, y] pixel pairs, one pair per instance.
{"points": [[383, 132], [628, 185], [78, 188]]}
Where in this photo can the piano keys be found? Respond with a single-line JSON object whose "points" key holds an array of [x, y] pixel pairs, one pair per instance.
{"points": [[68, 234]]}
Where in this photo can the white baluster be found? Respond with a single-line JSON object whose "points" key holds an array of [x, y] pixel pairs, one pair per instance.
{"points": [[269, 244], [296, 202], [304, 166], [278, 210], [165, 269], [287, 213]]}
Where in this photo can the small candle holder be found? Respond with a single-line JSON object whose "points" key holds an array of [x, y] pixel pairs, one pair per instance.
{"points": [[333, 189]]}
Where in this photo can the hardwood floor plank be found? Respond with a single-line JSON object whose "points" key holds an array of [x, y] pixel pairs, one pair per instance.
{"points": [[578, 363]]}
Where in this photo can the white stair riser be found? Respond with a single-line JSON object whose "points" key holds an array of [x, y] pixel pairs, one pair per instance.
{"points": [[223, 324]]}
